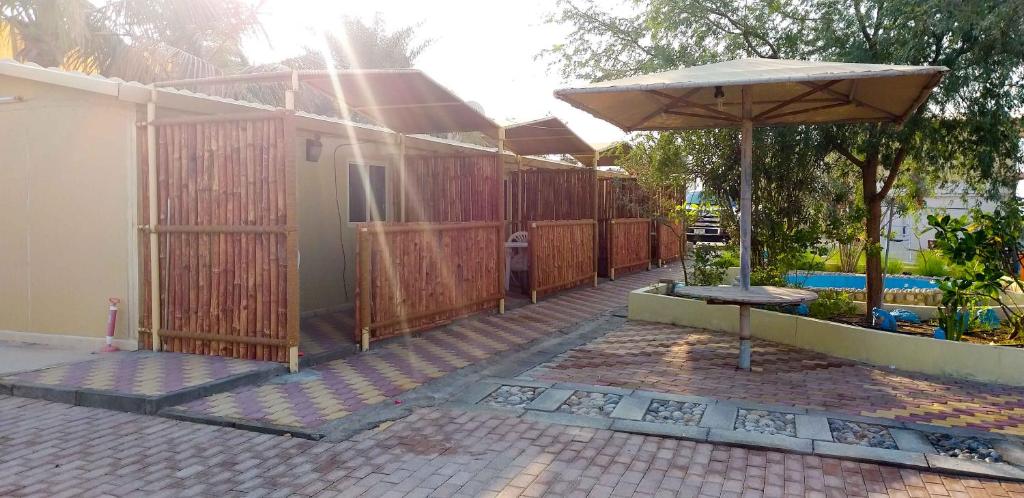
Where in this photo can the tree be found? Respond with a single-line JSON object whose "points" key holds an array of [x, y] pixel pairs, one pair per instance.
{"points": [[967, 130], [143, 40]]}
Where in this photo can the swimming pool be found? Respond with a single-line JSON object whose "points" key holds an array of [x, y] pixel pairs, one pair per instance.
{"points": [[824, 280]]}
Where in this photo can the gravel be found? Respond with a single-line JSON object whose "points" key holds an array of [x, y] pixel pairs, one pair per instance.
{"points": [[964, 447], [766, 422], [513, 396], [674, 412], [590, 404], [861, 434]]}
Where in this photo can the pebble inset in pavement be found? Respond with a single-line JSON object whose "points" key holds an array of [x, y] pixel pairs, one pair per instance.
{"points": [[861, 434], [513, 396], [963, 447], [590, 404], [674, 412], [766, 422]]}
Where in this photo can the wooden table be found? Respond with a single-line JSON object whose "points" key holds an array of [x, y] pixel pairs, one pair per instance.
{"points": [[744, 298]]}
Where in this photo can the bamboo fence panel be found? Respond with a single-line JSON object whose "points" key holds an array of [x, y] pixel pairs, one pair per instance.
{"points": [[550, 195], [561, 255], [667, 243], [228, 246], [452, 188], [623, 198], [628, 245], [413, 276]]}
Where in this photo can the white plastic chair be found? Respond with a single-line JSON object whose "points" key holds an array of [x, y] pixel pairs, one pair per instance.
{"points": [[516, 258]]}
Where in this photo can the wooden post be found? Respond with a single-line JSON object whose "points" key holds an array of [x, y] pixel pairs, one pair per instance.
{"points": [[402, 178], [292, 235], [154, 213], [501, 218], [746, 179], [531, 249], [597, 224], [289, 94], [363, 285]]}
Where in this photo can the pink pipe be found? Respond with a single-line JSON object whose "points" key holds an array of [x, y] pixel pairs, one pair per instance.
{"points": [[111, 325]]}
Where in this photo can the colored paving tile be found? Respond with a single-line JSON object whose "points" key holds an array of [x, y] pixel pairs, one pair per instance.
{"points": [[138, 373], [338, 388], [665, 358], [325, 333]]}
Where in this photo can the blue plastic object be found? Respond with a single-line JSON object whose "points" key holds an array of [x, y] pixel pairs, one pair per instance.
{"points": [[802, 309], [939, 333], [883, 319], [989, 318], [905, 316]]}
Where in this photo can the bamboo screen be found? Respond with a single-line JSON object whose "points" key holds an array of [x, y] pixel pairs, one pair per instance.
{"points": [[667, 247], [416, 275], [623, 198], [546, 195], [446, 260], [452, 188], [561, 255], [227, 248], [628, 245]]}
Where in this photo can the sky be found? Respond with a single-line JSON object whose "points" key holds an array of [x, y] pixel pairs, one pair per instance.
{"points": [[483, 50]]}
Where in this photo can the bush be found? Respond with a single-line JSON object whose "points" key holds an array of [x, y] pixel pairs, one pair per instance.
{"points": [[931, 263], [831, 303], [708, 266], [728, 258], [768, 275], [894, 267]]}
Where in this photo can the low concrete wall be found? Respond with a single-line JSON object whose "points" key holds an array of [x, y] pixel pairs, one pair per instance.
{"points": [[978, 362]]}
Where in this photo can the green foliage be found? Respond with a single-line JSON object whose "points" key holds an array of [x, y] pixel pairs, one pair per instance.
{"points": [[708, 268], [894, 267], [811, 260], [830, 304], [768, 275], [728, 258], [983, 252], [930, 263]]}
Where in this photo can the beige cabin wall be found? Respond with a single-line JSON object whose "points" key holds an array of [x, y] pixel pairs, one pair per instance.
{"points": [[327, 244], [67, 198]]}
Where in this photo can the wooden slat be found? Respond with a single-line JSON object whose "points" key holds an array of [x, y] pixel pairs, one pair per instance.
{"points": [[629, 246]]}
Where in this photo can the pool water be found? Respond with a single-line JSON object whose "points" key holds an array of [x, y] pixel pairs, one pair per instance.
{"points": [[858, 281]]}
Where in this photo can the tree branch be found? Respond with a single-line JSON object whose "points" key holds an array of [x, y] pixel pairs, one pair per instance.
{"points": [[894, 170], [614, 30], [845, 152], [862, 23]]}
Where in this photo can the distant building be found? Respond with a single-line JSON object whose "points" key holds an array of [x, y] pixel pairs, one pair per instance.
{"points": [[910, 232]]}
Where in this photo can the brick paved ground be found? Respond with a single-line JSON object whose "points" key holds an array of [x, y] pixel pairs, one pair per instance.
{"points": [[691, 361], [341, 387], [139, 373], [48, 449]]}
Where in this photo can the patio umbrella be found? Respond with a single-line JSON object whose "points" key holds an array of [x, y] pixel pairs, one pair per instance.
{"points": [[744, 93]]}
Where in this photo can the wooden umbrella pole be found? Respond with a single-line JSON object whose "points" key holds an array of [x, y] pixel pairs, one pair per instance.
{"points": [[746, 174]]}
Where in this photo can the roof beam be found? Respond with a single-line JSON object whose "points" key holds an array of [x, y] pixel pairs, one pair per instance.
{"points": [[803, 111], [662, 109], [685, 101], [851, 99], [815, 89]]}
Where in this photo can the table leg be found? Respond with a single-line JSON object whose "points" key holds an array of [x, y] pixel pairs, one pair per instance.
{"points": [[744, 361]]}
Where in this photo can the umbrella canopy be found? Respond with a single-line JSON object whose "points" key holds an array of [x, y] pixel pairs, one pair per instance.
{"points": [[782, 92], [545, 136], [404, 100], [756, 92]]}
